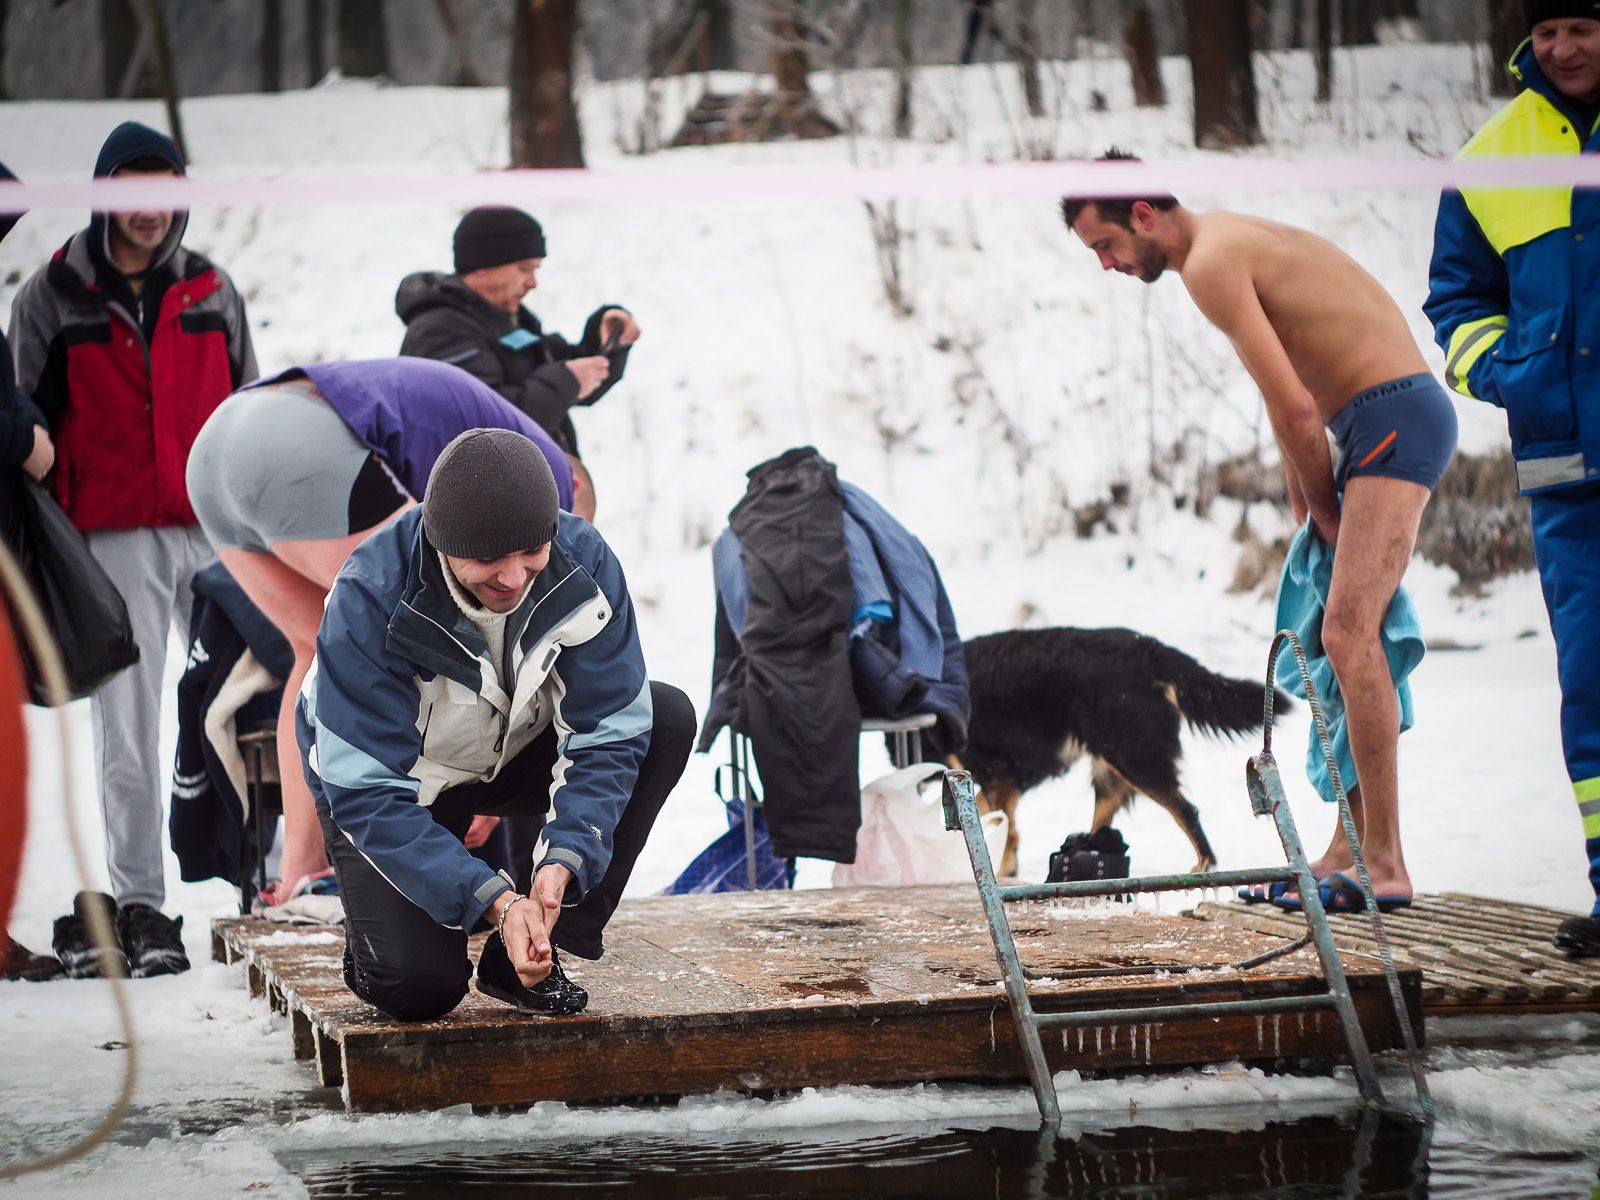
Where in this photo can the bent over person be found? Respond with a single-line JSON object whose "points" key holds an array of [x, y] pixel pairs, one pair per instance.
{"points": [[480, 655], [1515, 303], [1330, 350]]}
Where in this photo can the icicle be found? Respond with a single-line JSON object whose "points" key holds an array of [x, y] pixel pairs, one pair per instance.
{"points": [[1147, 1030], [1113, 1037], [1261, 1033], [1277, 1036], [1097, 1033], [1080, 1039], [1301, 1017]]}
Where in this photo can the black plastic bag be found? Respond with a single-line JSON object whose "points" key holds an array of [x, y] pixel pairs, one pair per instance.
{"points": [[85, 612]]}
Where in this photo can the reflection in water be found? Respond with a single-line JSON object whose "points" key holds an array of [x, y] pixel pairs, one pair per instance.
{"points": [[1354, 1156]]}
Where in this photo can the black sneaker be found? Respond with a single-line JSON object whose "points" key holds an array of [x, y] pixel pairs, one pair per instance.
{"points": [[73, 945], [555, 994], [153, 941], [1579, 936]]}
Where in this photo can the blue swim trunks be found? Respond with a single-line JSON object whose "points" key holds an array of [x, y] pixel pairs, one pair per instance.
{"points": [[1405, 429]]}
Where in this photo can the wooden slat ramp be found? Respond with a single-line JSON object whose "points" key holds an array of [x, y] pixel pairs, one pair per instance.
{"points": [[1475, 955], [782, 990]]}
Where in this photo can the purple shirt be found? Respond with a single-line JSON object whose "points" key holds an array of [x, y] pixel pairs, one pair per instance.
{"points": [[407, 410]]}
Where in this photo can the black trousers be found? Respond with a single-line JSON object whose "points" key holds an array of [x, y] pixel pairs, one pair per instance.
{"points": [[402, 961]]}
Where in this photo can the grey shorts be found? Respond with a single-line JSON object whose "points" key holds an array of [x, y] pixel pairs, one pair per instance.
{"points": [[278, 464]]}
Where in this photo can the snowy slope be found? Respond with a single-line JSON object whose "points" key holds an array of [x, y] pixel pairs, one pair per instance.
{"points": [[1023, 383]]}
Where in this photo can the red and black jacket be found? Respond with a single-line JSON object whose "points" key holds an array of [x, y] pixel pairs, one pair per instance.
{"points": [[123, 407]]}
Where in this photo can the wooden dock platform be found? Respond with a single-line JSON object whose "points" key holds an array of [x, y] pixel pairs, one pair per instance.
{"points": [[1475, 955], [778, 990]]}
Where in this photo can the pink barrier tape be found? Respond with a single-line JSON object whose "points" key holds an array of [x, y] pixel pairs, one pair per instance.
{"points": [[943, 181]]}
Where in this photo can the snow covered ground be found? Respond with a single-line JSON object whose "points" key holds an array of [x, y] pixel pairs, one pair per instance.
{"points": [[1023, 383]]}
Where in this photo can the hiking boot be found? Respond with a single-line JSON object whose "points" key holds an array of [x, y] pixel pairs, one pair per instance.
{"points": [[555, 994], [74, 946], [153, 941], [1579, 936], [18, 962]]}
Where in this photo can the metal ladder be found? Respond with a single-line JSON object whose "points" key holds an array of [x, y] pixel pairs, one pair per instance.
{"points": [[1266, 799]]}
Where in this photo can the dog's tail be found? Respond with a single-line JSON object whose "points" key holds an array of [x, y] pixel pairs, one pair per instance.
{"points": [[1214, 703]]}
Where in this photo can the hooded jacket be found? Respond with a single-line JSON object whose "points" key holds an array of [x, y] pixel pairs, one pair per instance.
{"points": [[1514, 289], [448, 321], [126, 382], [402, 703]]}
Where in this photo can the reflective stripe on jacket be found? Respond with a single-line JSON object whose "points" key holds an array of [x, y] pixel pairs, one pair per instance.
{"points": [[1514, 292]]}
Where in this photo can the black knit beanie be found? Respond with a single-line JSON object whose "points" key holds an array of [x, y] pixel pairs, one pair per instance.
{"points": [[1554, 10], [489, 237], [491, 494]]}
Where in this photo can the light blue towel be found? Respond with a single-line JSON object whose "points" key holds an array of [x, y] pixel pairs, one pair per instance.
{"points": [[1302, 597]]}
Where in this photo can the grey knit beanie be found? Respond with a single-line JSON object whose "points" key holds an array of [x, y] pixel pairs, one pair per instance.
{"points": [[491, 494]]}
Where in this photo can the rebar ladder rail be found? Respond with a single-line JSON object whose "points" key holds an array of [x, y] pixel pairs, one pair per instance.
{"points": [[1266, 799]]}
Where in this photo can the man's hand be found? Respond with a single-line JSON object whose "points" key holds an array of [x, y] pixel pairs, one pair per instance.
{"points": [[549, 886], [480, 829], [590, 373], [527, 941], [43, 455], [618, 324]]}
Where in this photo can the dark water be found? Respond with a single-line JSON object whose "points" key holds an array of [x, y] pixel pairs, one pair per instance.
{"points": [[1354, 1156]]}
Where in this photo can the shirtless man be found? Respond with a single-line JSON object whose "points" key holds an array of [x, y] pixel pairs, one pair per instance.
{"points": [[1329, 349]]}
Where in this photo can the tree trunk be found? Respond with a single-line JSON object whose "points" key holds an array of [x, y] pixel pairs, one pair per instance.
{"points": [[272, 45], [1358, 25], [1224, 82], [902, 68], [316, 41], [797, 112], [156, 15], [1324, 50], [1139, 42], [1505, 35], [720, 54], [544, 116], [1028, 55], [466, 72], [363, 39]]}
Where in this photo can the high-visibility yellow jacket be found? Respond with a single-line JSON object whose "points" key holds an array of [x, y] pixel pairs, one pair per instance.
{"points": [[1515, 290]]}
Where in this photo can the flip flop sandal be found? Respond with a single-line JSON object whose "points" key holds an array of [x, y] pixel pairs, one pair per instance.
{"points": [[1254, 894], [1342, 894]]}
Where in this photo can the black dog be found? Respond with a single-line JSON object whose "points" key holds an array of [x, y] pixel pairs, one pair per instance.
{"points": [[1042, 698]]}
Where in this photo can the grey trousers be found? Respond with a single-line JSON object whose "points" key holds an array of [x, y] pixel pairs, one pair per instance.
{"points": [[152, 568]]}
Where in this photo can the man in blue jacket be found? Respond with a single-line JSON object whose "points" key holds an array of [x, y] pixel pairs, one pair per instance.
{"points": [[479, 655], [1515, 303]]}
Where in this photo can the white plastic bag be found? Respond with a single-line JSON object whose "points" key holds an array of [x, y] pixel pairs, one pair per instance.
{"points": [[903, 840]]}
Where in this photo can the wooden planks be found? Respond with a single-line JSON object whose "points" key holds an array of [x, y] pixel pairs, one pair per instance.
{"points": [[1476, 955], [793, 989]]}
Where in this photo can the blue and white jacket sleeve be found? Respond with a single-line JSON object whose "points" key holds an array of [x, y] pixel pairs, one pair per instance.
{"points": [[603, 716], [361, 742], [1469, 297]]}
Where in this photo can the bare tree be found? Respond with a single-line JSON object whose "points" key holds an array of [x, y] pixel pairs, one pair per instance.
{"points": [[1505, 35], [1358, 24], [1027, 54], [1224, 79], [718, 46], [903, 65], [1324, 50], [363, 39], [316, 43], [1139, 43], [791, 67], [272, 45], [466, 73], [544, 115]]}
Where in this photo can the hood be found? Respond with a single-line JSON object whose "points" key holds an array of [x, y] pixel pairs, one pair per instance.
{"points": [[425, 290], [129, 141]]}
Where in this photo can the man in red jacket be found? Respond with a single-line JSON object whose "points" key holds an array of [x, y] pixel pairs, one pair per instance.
{"points": [[126, 341]]}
